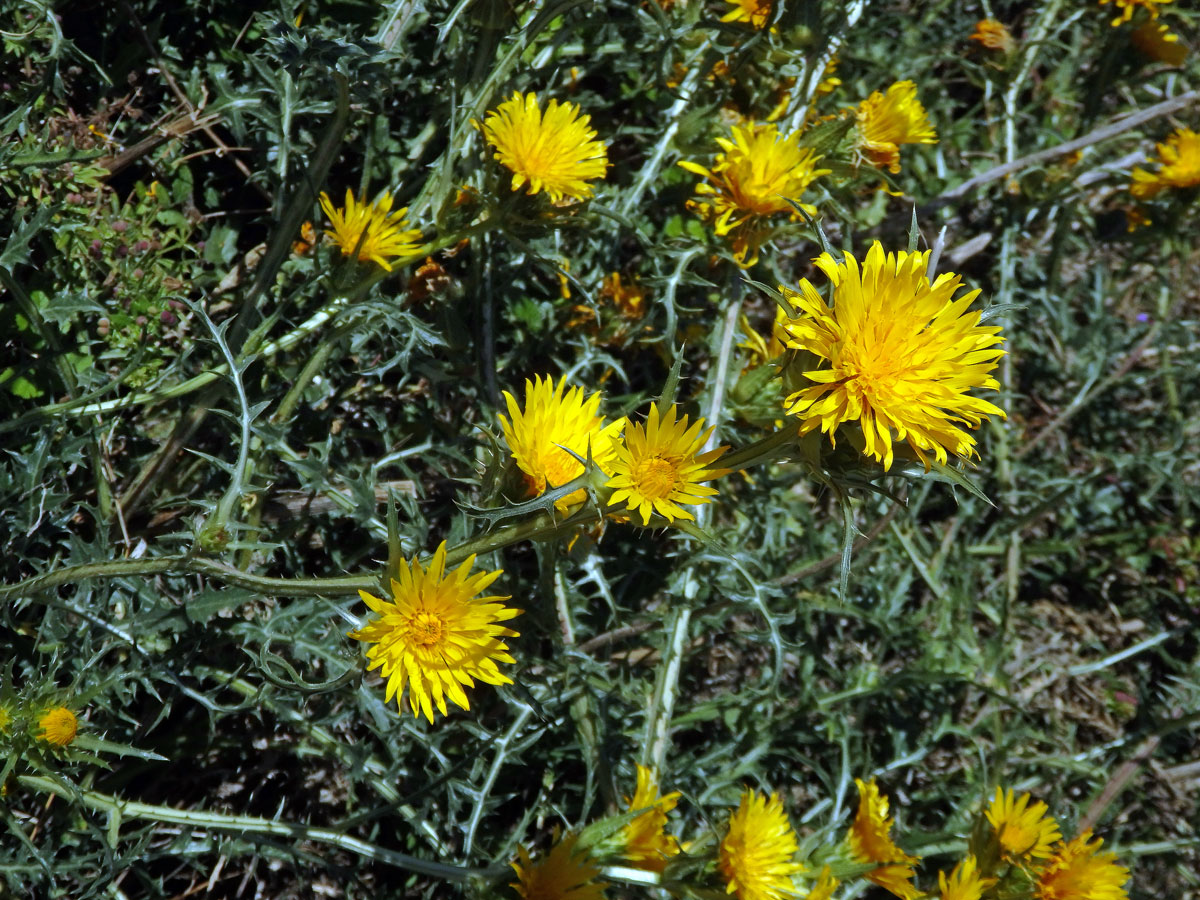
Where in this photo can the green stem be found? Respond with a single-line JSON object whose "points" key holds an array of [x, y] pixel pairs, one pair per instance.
{"points": [[119, 809]]}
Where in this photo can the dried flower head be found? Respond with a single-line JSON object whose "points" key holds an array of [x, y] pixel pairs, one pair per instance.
{"points": [[562, 874], [435, 635], [1156, 41], [897, 354], [554, 151], [993, 34]]}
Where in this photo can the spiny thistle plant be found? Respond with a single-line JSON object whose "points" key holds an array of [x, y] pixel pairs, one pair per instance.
{"points": [[558, 451]]}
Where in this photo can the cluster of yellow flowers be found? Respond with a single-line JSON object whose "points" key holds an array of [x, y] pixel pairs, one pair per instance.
{"points": [[893, 357], [1015, 851]]}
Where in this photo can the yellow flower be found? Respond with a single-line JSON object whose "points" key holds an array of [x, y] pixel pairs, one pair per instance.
{"points": [[435, 635], [825, 886], [763, 348], [902, 354], [1077, 871], [551, 421], [752, 12], [57, 726], [660, 466], [752, 178], [1023, 830], [1159, 43], [885, 121], [371, 230], [869, 841], [964, 883], [560, 875], [555, 151], [1129, 7], [647, 846], [755, 857], [1179, 166], [993, 34], [307, 240]]}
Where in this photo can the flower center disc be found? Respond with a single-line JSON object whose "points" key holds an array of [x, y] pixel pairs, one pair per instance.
{"points": [[656, 477], [426, 629]]}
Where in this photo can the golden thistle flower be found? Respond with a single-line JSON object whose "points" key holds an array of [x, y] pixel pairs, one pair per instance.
{"points": [[763, 348], [1159, 43], [1127, 8], [660, 466], [753, 177], [964, 883], [901, 355], [752, 12], [993, 34], [554, 151], [1023, 830], [306, 241], [1178, 166], [629, 299], [885, 121], [370, 230], [435, 635], [560, 875], [755, 856], [1078, 871], [825, 886], [869, 841], [550, 421], [57, 726], [647, 845]]}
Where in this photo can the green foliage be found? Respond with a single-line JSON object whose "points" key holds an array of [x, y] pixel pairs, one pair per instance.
{"points": [[214, 436]]}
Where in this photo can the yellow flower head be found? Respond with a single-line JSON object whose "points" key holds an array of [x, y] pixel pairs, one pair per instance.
{"points": [[1127, 8], [993, 34], [825, 886], [1159, 43], [752, 12], [554, 151], [755, 857], [869, 841], [752, 178], [1078, 871], [885, 121], [550, 421], [964, 883], [371, 230], [57, 726], [435, 635], [1179, 166], [1023, 830], [660, 466], [763, 348], [897, 354], [647, 846], [559, 875]]}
